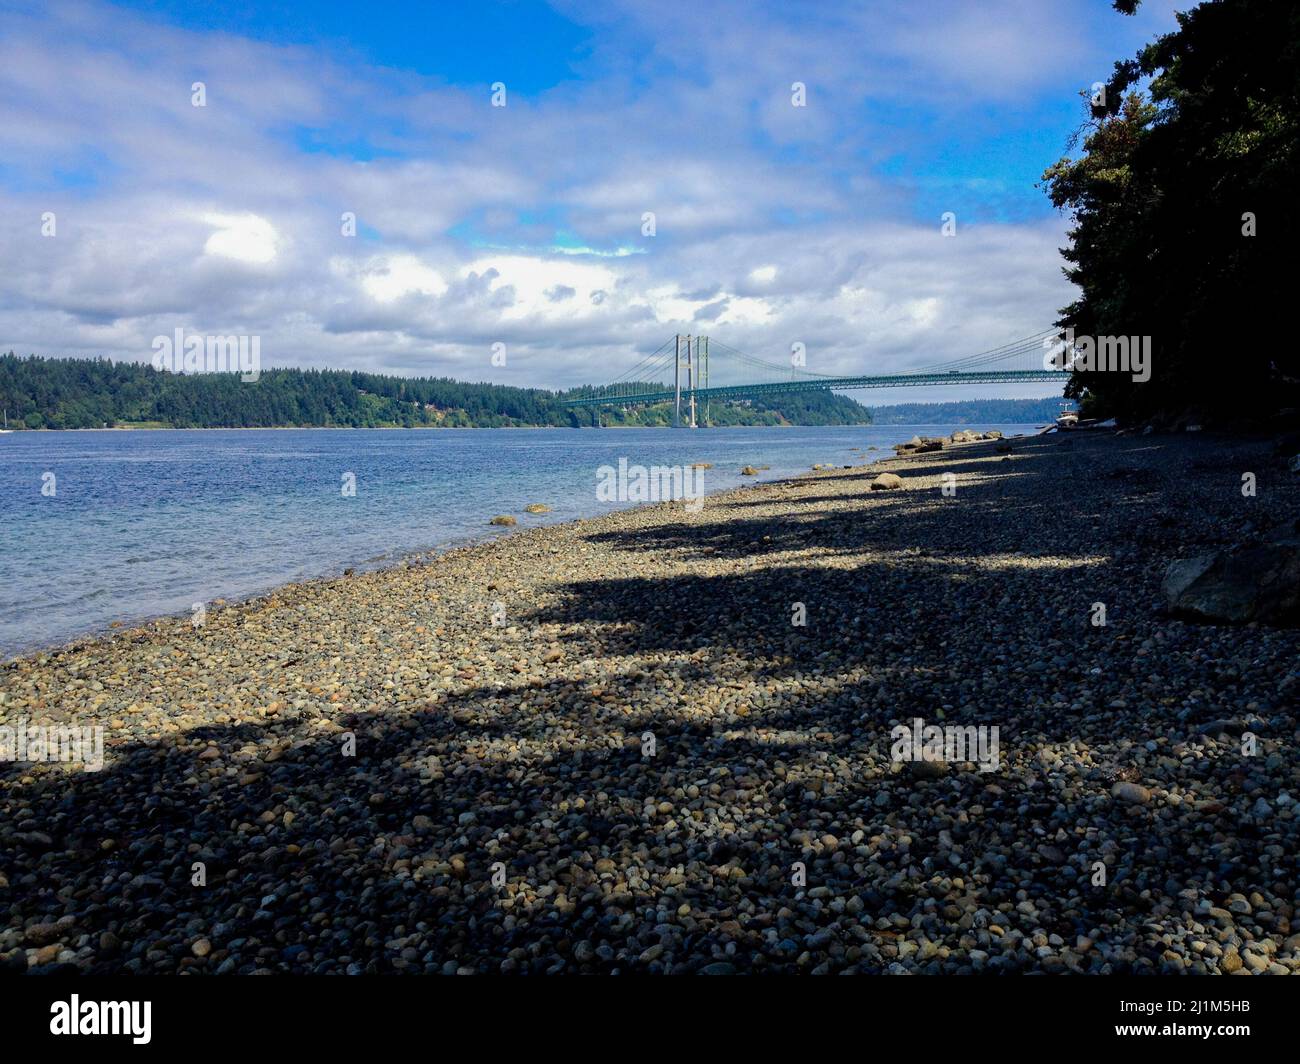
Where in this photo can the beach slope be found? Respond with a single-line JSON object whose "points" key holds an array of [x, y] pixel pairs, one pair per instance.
{"points": [[611, 745]]}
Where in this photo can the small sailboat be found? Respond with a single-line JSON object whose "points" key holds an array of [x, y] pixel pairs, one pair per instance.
{"points": [[6, 430]]}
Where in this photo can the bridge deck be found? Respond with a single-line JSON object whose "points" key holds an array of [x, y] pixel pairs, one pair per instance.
{"points": [[898, 380]]}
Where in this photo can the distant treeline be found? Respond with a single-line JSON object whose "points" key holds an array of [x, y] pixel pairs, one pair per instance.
{"points": [[795, 408], [91, 393], [60, 393], [971, 412]]}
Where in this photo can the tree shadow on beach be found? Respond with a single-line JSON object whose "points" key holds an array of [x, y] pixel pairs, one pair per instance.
{"points": [[768, 742]]}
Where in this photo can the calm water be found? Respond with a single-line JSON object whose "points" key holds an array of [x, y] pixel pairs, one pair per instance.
{"points": [[147, 523]]}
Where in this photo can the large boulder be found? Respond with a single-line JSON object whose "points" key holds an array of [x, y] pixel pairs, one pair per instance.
{"points": [[887, 482], [1249, 582]]}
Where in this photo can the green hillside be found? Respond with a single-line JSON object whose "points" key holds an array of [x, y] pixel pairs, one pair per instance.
{"points": [[56, 393]]}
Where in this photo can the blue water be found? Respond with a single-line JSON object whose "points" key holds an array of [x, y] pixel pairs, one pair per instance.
{"points": [[147, 523]]}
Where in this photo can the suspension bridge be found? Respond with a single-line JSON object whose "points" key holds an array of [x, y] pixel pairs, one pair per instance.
{"points": [[689, 362]]}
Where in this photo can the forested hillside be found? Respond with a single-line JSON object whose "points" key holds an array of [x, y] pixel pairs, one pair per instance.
{"points": [[93, 393], [971, 412]]}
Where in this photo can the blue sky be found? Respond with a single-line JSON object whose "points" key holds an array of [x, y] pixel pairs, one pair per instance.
{"points": [[524, 224], [461, 42]]}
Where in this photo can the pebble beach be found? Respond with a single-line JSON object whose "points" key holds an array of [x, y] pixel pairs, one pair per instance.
{"points": [[608, 746]]}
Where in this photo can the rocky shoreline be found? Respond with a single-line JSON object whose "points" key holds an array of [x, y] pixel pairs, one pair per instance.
{"points": [[609, 745]]}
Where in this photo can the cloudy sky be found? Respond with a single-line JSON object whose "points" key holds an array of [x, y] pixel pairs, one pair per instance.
{"points": [[523, 224]]}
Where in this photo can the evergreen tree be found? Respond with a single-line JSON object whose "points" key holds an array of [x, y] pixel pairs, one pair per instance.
{"points": [[1185, 217]]}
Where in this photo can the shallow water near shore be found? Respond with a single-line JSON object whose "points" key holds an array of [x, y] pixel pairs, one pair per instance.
{"points": [[142, 524]]}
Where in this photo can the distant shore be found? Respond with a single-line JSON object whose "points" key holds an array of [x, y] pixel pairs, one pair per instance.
{"points": [[413, 428], [459, 428], [610, 744]]}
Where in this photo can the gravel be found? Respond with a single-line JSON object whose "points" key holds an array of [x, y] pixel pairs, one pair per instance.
{"points": [[603, 746]]}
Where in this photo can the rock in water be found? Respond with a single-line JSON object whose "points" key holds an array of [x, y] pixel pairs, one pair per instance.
{"points": [[1243, 584], [749, 471], [887, 482], [537, 508], [502, 519]]}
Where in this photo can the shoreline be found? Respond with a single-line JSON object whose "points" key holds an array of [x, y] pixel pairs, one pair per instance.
{"points": [[468, 428], [405, 560], [500, 695], [564, 428], [400, 558]]}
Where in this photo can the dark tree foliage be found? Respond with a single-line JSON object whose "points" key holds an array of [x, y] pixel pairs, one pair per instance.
{"points": [[1172, 181], [60, 393]]}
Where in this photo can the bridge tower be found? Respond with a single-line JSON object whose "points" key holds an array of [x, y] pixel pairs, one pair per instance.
{"points": [[689, 346], [696, 350], [705, 363], [677, 381], [692, 368]]}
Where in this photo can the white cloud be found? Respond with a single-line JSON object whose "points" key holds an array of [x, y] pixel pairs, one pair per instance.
{"points": [[386, 278], [531, 282], [242, 237]]}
